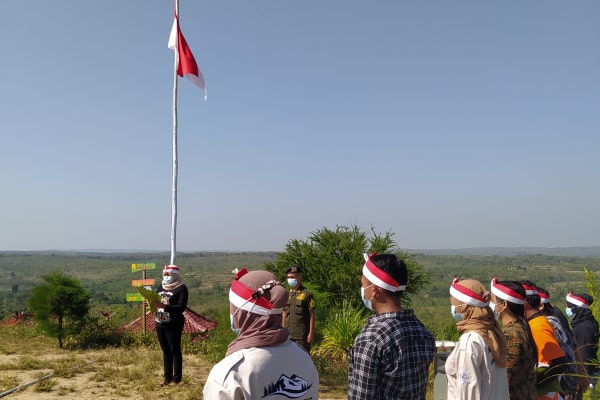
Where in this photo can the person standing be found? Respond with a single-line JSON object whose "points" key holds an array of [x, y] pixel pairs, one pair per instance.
{"points": [[391, 356], [575, 370], [169, 323], [552, 362], [585, 332], [508, 298], [261, 362], [299, 312], [476, 367]]}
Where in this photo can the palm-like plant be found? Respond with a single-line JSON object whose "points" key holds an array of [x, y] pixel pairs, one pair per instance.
{"points": [[342, 327]]}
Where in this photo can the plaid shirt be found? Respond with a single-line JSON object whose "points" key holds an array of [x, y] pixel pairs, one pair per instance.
{"points": [[390, 358]]}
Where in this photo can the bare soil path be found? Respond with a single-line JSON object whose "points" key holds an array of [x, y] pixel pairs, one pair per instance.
{"points": [[102, 374]]}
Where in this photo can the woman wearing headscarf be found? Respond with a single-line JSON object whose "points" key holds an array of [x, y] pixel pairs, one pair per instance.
{"points": [[261, 361], [476, 368], [508, 298], [169, 323]]}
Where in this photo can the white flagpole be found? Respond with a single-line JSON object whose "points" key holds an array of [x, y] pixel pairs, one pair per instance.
{"points": [[174, 189]]}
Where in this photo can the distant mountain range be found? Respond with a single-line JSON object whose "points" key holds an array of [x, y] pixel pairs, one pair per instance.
{"points": [[585, 252]]}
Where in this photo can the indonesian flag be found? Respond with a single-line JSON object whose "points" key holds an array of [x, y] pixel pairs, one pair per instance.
{"points": [[186, 63]]}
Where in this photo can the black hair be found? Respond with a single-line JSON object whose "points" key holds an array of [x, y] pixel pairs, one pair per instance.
{"points": [[294, 269], [548, 308], [394, 267], [532, 299], [517, 309], [586, 297]]}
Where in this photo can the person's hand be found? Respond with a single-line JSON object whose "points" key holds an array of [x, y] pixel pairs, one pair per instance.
{"points": [[584, 382], [157, 304], [310, 337]]}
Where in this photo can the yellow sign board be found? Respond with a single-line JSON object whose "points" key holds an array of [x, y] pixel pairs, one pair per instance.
{"points": [[143, 282], [134, 297], [150, 297], [142, 267]]}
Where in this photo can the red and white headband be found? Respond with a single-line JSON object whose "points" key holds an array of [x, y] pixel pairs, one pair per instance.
{"points": [[379, 277], [506, 293], [466, 295], [530, 290], [250, 300], [171, 269], [544, 298], [578, 301]]}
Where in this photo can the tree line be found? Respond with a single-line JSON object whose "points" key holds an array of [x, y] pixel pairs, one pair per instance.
{"points": [[332, 259]]}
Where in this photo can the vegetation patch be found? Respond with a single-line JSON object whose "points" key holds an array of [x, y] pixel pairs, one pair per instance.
{"points": [[99, 359]]}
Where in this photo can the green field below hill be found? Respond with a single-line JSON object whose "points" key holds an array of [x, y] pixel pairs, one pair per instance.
{"points": [[108, 278]]}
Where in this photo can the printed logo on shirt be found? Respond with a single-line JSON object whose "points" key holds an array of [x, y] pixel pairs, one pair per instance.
{"points": [[162, 316], [291, 387], [464, 377]]}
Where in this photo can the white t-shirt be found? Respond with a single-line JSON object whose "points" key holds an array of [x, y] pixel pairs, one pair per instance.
{"points": [[280, 372], [472, 373]]}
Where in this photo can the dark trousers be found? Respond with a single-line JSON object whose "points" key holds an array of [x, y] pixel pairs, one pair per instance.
{"points": [[170, 343], [303, 343]]}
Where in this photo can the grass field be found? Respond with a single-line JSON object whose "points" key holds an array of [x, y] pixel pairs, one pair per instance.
{"points": [[133, 372], [40, 370]]}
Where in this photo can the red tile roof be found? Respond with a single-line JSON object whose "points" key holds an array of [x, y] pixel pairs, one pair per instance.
{"points": [[194, 323]]}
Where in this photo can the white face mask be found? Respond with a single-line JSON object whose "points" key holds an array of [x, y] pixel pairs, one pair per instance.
{"points": [[292, 282], [167, 279], [493, 308], [569, 312], [366, 302], [455, 315], [233, 328]]}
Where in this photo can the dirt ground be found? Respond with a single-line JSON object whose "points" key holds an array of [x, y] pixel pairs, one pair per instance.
{"points": [[103, 374]]}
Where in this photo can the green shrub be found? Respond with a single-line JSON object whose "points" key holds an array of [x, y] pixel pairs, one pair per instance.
{"points": [[96, 334], [213, 345], [333, 372], [339, 332], [140, 339]]}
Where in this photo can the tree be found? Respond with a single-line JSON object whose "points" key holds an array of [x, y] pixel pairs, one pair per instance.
{"points": [[59, 305], [332, 261], [593, 290]]}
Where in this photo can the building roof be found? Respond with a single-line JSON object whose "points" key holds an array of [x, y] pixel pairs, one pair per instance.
{"points": [[194, 323]]}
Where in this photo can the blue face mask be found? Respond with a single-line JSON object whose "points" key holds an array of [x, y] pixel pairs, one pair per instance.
{"points": [[167, 279], [366, 302], [569, 312], [292, 282], [457, 316], [233, 328]]}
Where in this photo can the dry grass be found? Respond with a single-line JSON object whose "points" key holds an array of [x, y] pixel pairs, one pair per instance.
{"points": [[96, 374]]}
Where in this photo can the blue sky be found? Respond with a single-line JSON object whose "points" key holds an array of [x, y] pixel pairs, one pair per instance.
{"points": [[452, 124]]}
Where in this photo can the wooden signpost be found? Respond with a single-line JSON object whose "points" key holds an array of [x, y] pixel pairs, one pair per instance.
{"points": [[146, 283]]}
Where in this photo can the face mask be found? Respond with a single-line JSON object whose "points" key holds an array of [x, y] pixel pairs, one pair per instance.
{"points": [[455, 315], [366, 302], [292, 282], [167, 279], [233, 328], [569, 312], [493, 308]]}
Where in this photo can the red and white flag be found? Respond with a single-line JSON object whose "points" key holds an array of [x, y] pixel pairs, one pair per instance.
{"points": [[186, 64]]}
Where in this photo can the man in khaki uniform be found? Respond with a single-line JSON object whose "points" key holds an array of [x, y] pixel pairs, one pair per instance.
{"points": [[299, 312]]}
